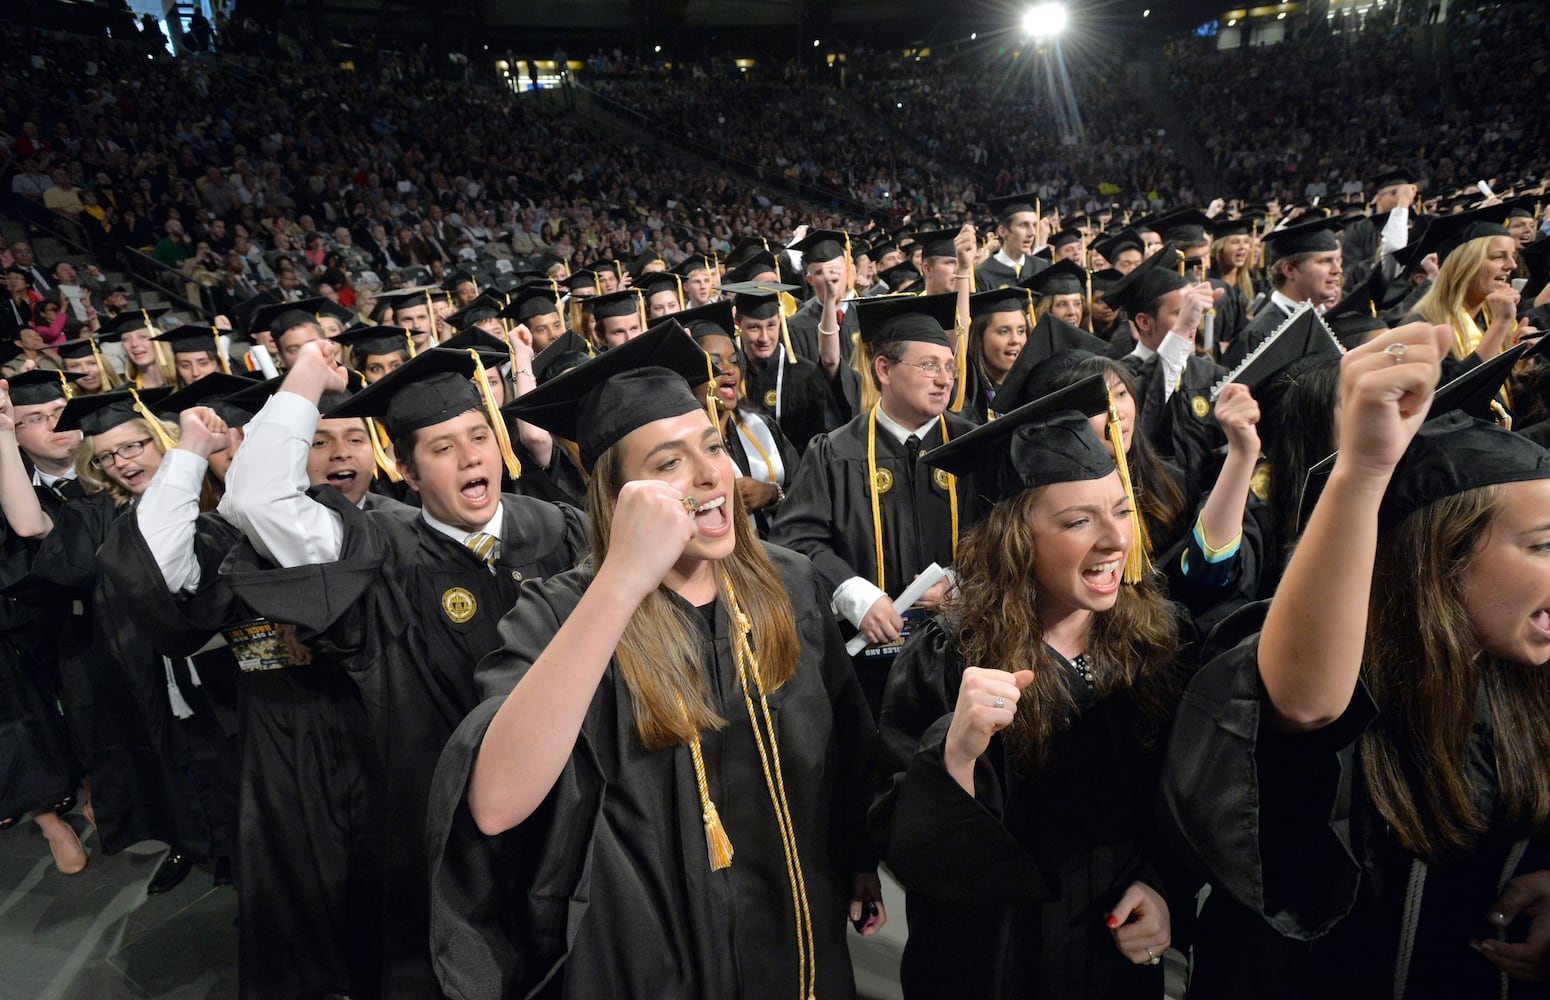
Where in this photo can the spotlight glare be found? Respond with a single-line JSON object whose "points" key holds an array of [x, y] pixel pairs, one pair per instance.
{"points": [[1044, 20]]}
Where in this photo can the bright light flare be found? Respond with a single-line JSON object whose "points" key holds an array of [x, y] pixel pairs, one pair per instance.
{"points": [[1044, 20]]}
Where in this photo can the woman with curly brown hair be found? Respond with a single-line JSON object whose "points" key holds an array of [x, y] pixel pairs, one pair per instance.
{"points": [[1020, 728]]}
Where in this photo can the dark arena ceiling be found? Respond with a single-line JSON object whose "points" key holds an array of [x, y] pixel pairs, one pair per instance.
{"points": [[700, 28]]}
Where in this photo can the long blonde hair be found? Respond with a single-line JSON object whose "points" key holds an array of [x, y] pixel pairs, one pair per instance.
{"points": [[659, 653], [94, 480], [1244, 282], [1425, 668], [1444, 301]]}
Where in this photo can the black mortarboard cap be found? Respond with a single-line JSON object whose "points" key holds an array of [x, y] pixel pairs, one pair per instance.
{"points": [[531, 301], [1389, 178], [486, 306], [98, 414], [216, 390], [644, 260], [1105, 279], [1148, 281], [1009, 205], [1475, 390], [584, 278], [432, 387], [624, 302], [38, 386], [1065, 237], [131, 319], [1231, 227], [718, 314], [600, 402], [1049, 337], [1185, 225], [756, 299], [937, 242], [1453, 453], [1064, 277], [493, 350], [746, 249], [821, 246], [1041, 443], [1449, 232], [1536, 257], [188, 338], [1317, 236], [1301, 341], [887, 319], [365, 341], [751, 268], [901, 277], [80, 348], [695, 262], [564, 352], [1110, 247], [1008, 299], [660, 281]]}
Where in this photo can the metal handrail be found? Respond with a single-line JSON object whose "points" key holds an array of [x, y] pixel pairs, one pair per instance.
{"points": [[37, 216], [148, 270]]}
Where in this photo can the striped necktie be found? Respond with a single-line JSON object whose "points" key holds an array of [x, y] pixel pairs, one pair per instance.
{"points": [[483, 544]]}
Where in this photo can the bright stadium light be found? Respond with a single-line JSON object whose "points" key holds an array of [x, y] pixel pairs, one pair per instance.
{"points": [[1044, 20]]}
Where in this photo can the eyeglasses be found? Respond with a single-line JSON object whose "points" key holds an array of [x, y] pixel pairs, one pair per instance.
{"points": [[124, 451], [931, 368], [37, 420]]}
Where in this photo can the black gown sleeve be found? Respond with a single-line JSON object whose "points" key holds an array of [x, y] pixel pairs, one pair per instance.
{"points": [[935, 836], [1264, 816], [806, 521]]}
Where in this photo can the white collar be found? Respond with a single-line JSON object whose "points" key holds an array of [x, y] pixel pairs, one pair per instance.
{"points": [[1283, 303], [491, 527], [1143, 352], [41, 478], [1015, 265], [898, 431]]}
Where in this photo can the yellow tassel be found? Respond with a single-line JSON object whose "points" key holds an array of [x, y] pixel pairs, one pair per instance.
{"points": [[716, 843], [502, 438], [379, 449], [1136, 561], [157, 430]]}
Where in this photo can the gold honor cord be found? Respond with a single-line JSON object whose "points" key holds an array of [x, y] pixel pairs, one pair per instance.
{"points": [[157, 430], [497, 425], [877, 519], [737, 425], [775, 783], [717, 845], [1137, 559], [379, 449]]}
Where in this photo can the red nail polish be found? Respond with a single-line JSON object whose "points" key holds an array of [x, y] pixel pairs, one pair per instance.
{"points": [[1113, 921]]}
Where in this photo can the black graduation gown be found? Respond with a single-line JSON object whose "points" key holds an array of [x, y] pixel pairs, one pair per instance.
{"points": [[1008, 889], [1255, 332], [1231, 315], [153, 776], [1181, 427], [809, 403], [1308, 886], [38, 769], [606, 890], [994, 274], [408, 611], [802, 325], [827, 515], [309, 789], [765, 516]]}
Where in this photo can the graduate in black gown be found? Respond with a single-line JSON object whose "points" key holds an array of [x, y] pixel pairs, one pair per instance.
{"points": [[407, 600], [862, 506], [1174, 382], [1022, 726], [156, 733], [663, 792], [800, 394], [762, 457], [308, 865], [1364, 780], [41, 773]]}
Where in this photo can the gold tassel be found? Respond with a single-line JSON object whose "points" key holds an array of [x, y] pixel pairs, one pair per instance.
{"points": [[378, 448], [1136, 561], [781, 300], [717, 844], [65, 387], [502, 438], [162, 437], [220, 355]]}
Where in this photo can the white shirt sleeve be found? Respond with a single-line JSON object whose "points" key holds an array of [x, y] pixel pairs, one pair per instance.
{"points": [[1396, 233], [166, 514], [853, 598], [1173, 355], [266, 487]]}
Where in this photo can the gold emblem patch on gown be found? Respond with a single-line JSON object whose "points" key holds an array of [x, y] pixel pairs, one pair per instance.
{"points": [[1200, 406], [459, 605], [770, 398], [882, 481]]}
